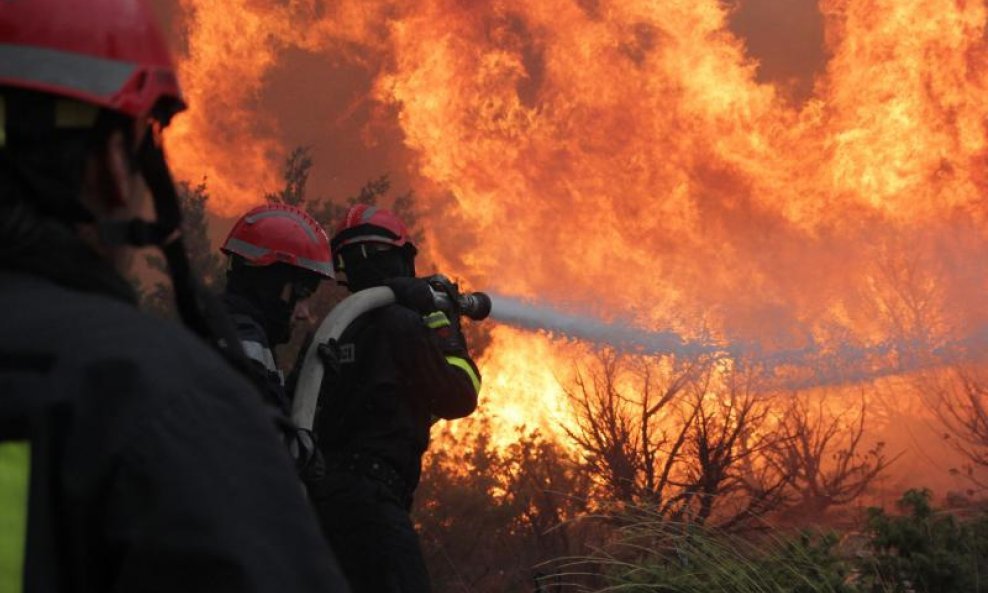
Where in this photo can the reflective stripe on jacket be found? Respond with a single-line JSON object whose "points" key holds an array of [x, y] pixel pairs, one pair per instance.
{"points": [[394, 378], [154, 466]]}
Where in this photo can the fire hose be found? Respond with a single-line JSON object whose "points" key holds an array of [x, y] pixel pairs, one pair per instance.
{"points": [[332, 327], [475, 305]]}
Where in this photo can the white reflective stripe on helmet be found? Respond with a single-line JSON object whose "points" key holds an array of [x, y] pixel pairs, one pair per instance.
{"points": [[324, 268], [369, 239], [245, 249], [370, 212], [251, 251], [365, 216], [92, 75], [302, 221]]}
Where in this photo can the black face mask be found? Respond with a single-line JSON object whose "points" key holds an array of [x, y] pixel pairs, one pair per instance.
{"points": [[278, 322], [367, 266], [263, 287]]}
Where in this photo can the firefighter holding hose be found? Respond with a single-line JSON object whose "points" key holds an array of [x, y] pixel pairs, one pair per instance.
{"points": [[132, 456], [278, 255], [392, 371]]}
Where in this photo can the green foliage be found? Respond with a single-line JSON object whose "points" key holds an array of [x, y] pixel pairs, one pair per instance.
{"points": [[374, 192], [922, 550], [928, 551], [296, 177], [651, 554], [298, 166]]}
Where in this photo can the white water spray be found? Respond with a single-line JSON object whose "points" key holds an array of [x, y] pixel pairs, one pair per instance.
{"points": [[815, 365], [586, 327]]}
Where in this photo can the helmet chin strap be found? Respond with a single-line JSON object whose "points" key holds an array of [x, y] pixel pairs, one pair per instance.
{"points": [[198, 309]]}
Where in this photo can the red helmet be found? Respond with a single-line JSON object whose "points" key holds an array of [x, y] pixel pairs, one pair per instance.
{"points": [[369, 224], [109, 53], [279, 233]]}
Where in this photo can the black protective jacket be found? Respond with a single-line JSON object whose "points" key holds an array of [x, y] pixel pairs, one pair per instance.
{"points": [[152, 465], [256, 346], [394, 377], [269, 380]]}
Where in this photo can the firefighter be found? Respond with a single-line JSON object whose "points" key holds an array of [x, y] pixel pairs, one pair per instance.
{"points": [[132, 456], [278, 255], [398, 367]]}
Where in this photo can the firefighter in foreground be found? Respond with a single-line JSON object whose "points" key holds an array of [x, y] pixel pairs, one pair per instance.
{"points": [[399, 366], [278, 257], [132, 456]]}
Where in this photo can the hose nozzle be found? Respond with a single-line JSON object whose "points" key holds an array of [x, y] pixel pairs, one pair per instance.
{"points": [[475, 305]]}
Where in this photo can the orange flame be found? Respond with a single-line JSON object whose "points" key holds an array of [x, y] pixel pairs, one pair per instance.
{"points": [[229, 52], [226, 136], [625, 155]]}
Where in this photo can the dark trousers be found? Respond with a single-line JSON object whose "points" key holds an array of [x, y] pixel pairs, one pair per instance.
{"points": [[371, 533]]}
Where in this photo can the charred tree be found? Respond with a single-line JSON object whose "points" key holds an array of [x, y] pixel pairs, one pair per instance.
{"points": [[631, 441], [960, 401], [727, 478], [826, 455], [295, 173], [689, 439]]}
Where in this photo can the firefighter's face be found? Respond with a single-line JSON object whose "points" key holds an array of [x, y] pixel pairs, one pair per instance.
{"points": [[301, 315], [298, 294]]}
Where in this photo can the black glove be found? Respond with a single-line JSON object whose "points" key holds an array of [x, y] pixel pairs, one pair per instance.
{"points": [[451, 291], [446, 329], [413, 293]]}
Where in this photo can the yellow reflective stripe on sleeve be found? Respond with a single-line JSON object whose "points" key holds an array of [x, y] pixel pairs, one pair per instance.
{"points": [[463, 364], [436, 320], [15, 471]]}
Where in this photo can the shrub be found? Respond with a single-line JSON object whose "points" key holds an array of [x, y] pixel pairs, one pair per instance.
{"points": [[658, 556], [926, 550]]}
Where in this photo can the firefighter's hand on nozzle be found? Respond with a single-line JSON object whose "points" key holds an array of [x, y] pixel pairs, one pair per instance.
{"points": [[414, 293], [446, 293], [475, 305]]}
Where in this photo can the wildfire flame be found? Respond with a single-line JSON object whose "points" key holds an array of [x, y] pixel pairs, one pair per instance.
{"points": [[625, 156]]}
